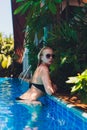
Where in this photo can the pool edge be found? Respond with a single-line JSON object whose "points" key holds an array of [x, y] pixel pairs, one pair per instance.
{"points": [[77, 112]]}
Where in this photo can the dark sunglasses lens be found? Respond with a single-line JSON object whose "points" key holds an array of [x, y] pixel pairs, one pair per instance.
{"points": [[49, 55]]}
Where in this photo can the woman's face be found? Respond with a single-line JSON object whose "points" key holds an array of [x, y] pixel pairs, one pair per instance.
{"points": [[47, 56]]}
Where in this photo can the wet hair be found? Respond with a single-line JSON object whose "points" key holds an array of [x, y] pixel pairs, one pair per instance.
{"points": [[41, 53]]}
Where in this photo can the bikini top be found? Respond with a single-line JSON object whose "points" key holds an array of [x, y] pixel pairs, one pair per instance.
{"points": [[39, 86]]}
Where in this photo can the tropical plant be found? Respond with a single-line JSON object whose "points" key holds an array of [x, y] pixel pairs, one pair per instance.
{"points": [[6, 50], [70, 45], [70, 37], [80, 85], [39, 14], [64, 35]]}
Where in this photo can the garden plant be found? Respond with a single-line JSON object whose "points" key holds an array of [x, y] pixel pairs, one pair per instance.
{"points": [[64, 30]]}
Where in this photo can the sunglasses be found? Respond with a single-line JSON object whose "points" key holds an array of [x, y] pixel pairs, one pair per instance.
{"points": [[50, 55]]}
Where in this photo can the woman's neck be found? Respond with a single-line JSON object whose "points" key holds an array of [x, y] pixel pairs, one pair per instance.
{"points": [[45, 64]]}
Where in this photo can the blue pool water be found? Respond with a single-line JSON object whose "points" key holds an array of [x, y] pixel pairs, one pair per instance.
{"points": [[53, 115]]}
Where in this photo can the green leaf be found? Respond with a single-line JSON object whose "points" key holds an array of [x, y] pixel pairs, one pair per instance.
{"points": [[84, 73], [58, 1], [75, 88], [73, 79], [23, 8], [19, 0], [52, 7], [4, 62], [63, 60], [26, 7], [9, 61]]}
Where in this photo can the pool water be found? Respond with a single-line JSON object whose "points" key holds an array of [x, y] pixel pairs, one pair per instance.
{"points": [[54, 114]]}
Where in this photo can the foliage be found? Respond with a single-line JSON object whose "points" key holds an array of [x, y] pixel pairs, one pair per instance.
{"points": [[39, 14], [69, 40], [80, 84], [37, 6], [6, 50], [66, 36]]}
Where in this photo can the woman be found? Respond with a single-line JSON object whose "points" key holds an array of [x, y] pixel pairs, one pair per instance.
{"points": [[41, 82]]}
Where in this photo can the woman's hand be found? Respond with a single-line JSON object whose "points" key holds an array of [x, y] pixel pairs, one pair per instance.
{"points": [[54, 86]]}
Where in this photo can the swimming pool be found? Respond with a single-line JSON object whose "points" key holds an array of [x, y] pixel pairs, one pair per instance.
{"points": [[53, 115]]}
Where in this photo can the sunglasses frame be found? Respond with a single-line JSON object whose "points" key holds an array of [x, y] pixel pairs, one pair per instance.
{"points": [[50, 55]]}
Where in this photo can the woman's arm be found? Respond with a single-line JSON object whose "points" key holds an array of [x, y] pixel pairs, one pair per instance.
{"points": [[45, 76]]}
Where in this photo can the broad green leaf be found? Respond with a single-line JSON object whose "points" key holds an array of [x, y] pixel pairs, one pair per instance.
{"points": [[72, 79], [19, 0], [4, 62], [84, 73], [26, 7], [75, 88], [58, 1], [22, 8], [52, 8], [9, 61], [63, 60]]}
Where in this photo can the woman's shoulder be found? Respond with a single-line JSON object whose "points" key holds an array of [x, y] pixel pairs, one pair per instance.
{"points": [[43, 67]]}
